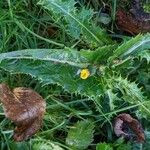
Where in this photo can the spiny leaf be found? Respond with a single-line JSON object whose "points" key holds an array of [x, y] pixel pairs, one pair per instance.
{"points": [[143, 110], [54, 67], [103, 146], [140, 42], [112, 98], [62, 56], [48, 145], [78, 21], [98, 32], [19, 145], [123, 67], [143, 78], [132, 94], [145, 55], [100, 54], [74, 27], [130, 90], [80, 135], [68, 56]]}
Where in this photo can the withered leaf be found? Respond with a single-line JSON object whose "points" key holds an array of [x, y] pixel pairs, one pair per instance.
{"points": [[25, 108], [135, 21], [129, 128]]}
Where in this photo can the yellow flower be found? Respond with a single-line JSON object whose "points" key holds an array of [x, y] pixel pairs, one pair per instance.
{"points": [[84, 74]]}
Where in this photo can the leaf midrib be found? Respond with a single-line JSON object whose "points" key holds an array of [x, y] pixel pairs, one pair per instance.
{"points": [[96, 38]]}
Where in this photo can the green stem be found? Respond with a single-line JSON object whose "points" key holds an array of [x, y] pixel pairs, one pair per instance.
{"points": [[23, 27]]}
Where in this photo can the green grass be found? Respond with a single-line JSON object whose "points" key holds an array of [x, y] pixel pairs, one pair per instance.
{"points": [[79, 113]]}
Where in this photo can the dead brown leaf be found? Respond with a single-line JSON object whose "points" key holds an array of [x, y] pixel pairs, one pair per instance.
{"points": [[134, 21], [124, 123], [25, 108]]}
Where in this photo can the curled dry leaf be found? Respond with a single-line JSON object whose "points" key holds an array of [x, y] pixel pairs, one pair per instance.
{"points": [[129, 128], [134, 21], [25, 108]]}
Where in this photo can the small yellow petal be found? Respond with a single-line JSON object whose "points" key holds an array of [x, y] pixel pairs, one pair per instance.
{"points": [[84, 74]]}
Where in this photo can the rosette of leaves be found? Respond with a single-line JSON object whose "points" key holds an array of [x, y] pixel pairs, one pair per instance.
{"points": [[108, 67]]}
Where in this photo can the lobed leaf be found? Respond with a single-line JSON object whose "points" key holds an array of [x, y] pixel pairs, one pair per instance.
{"points": [[103, 146], [80, 135], [131, 92], [145, 55], [54, 67], [140, 42], [77, 22], [48, 145]]}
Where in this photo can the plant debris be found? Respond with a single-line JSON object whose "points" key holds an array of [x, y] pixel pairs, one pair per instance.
{"points": [[25, 108], [129, 128], [135, 21]]}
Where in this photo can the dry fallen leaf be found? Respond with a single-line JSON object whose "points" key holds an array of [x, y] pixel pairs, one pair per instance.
{"points": [[135, 20], [129, 128], [25, 108]]}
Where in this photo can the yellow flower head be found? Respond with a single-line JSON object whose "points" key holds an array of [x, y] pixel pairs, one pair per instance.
{"points": [[84, 74]]}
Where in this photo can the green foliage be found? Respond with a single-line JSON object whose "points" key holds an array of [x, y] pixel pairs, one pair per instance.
{"points": [[132, 46], [132, 94], [18, 146], [103, 146], [117, 145], [80, 135], [45, 146], [119, 72], [147, 7], [112, 98], [78, 22], [53, 68], [145, 55], [130, 90]]}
